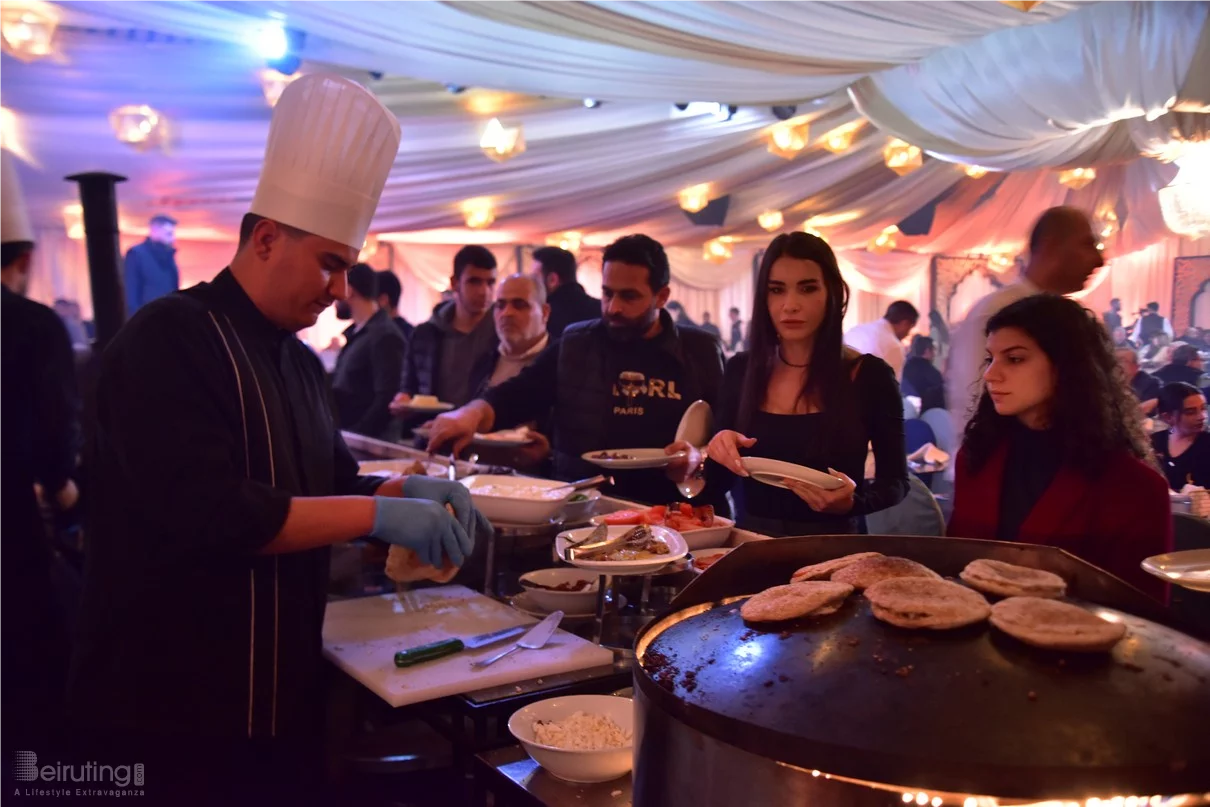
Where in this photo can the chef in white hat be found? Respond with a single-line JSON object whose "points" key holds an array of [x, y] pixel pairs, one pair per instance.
{"points": [[39, 444], [221, 479]]}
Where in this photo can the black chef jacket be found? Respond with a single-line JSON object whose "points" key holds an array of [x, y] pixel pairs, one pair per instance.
{"points": [[209, 419], [38, 444]]}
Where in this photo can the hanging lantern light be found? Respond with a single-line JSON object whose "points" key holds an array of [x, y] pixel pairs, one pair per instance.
{"points": [[27, 29], [273, 84], [478, 213], [369, 249], [771, 220], [975, 171], [73, 220], [718, 250], [139, 125], [695, 199], [1106, 224], [569, 240], [502, 143], [840, 139], [901, 157], [887, 240], [1022, 5], [1076, 178], [1000, 262], [788, 138], [1185, 203]]}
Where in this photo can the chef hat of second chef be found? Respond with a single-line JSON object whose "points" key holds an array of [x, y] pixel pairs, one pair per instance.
{"points": [[331, 147], [14, 217]]}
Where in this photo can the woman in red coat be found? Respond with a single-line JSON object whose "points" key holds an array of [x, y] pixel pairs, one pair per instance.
{"points": [[1055, 453]]}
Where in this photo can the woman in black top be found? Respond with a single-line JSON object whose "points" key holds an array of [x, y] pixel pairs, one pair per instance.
{"points": [[1183, 450], [799, 395]]}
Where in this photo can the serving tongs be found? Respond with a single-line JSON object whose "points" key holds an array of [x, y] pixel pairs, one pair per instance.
{"points": [[599, 543]]}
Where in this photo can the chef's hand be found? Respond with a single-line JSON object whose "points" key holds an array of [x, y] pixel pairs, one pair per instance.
{"points": [[423, 526], [457, 427], [454, 494], [724, 449], [836, 502], [399, 404]]}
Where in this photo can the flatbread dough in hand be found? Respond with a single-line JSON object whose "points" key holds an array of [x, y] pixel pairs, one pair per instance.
{"points": [[404, 566]]}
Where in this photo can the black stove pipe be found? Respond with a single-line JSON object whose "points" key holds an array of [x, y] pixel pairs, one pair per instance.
{"points": [[99, 203]]}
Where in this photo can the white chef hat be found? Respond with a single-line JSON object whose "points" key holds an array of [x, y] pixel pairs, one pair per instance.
{"points": [[331, 147], [14, 218]]}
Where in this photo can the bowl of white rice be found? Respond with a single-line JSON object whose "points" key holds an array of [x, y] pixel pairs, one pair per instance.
{"points": [[579, 738]]}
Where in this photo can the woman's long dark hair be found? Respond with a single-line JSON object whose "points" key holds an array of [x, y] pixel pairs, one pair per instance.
{"points": [[828, 383], [1092, 415]]}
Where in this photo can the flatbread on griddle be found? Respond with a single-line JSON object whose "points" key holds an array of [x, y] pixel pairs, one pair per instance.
{"points": [[823, 571], [865, 573], [1055, 625], [813, 598], [1009, 580], [924, 602]]}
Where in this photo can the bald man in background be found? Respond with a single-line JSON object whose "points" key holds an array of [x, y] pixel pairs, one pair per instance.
{"points": [[1063, 254]]}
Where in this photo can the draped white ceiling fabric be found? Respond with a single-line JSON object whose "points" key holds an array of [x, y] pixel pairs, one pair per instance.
{"points": [[973, 82]]}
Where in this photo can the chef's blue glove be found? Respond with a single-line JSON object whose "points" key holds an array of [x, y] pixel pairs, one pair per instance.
{"points": [[423, 526], [454, 494]]}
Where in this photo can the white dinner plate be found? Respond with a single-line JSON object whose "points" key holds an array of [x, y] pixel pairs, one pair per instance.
{"points": [[1189, 569], [772, 472], [697, 424], [635, 458], [507, 438], [428, 410], [674, 540], [700, 538]]}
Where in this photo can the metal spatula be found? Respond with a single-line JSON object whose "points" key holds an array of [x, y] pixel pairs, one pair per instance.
{"points": [[538, 636]]}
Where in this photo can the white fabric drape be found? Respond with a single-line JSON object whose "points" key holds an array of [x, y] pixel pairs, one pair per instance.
{"points": [[1027, 97], [740, 52]]}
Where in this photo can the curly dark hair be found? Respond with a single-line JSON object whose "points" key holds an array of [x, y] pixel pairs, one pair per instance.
{"points": [[1092, 415]]}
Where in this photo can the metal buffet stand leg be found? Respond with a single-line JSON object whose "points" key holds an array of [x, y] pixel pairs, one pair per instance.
{"points": [[598, 622], [489, 575], [645, 596]]}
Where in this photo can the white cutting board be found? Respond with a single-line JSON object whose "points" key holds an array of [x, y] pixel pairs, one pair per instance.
{"points": [[361, 636]]}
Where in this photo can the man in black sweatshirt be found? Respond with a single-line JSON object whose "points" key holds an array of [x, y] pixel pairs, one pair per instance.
{"points": [[620, 382]]}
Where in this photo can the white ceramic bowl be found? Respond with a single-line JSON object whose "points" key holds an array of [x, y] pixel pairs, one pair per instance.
{"points": [[577, 766], [578, 512], [516, 499], [569, 602], [704, 538]]}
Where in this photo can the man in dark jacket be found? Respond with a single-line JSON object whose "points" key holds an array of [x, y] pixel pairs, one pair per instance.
{"points": [[443, 350], [1186, 367], [370, 366], [39, 442], [151, 266], [620, 382], [921, 377], [389, 292], [569, 303]]}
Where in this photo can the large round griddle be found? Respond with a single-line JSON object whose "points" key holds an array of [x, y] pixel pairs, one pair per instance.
{"points": [[964, 711]]}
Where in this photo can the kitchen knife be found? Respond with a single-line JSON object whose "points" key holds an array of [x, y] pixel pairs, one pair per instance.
{"points": [[538, 636], [448, 647]]}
